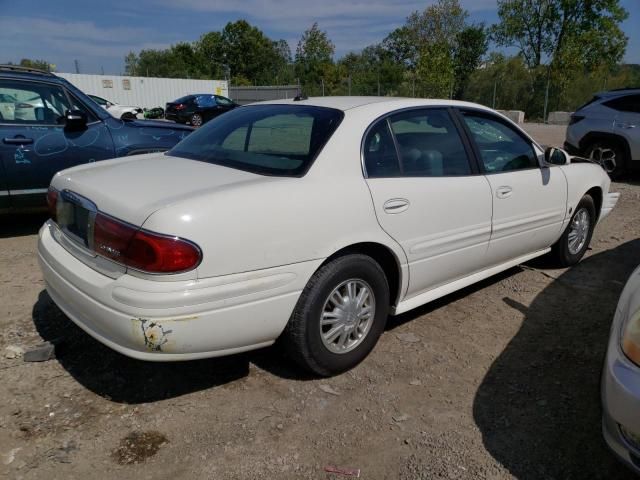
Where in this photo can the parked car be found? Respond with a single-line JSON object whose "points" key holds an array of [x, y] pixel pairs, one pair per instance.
{"points": [[197, 109], [125, 112], [621, 378], [309, 220], [607, 128], [47, 125]]}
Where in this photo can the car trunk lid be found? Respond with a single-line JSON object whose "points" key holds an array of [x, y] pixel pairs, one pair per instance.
{"points": [[132, 188]]}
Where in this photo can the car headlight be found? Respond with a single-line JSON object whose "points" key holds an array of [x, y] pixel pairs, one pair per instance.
{"points": [[631, 338]]}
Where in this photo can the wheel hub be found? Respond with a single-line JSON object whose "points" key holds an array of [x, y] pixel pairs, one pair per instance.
{"points": [[347, 316]]}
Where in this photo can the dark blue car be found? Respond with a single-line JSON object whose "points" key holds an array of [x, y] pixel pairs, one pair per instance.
{"points": [[47, 125]]}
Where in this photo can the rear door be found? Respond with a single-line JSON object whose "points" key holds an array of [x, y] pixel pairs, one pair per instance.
{"points": [[428, 195], [627, 123], [34, 143], [529, 200]]}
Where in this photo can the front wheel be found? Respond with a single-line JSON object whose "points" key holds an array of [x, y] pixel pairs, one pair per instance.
{"points": [[574, 242], [339, 316]]}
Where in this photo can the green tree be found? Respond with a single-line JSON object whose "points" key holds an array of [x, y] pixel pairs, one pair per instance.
{"points": [[314, 54], [583, 32], [131, 64], [471, 46], [39, 64]]}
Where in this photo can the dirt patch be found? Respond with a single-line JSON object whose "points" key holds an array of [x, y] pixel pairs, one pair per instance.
{"points": [[136, 447]]}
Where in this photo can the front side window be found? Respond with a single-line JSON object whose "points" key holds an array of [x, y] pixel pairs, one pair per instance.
{"points": [[223, 101], [32, 103], [429, 144], [502, 149], [278, 140]]}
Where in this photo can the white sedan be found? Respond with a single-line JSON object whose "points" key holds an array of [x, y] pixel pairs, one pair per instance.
{"points": [[309, 220], [116, 110], [621, 378]]}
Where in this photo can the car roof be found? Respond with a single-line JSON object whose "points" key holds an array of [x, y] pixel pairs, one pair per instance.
{"points": [[618, 92], [23, 73], [348, 103]]}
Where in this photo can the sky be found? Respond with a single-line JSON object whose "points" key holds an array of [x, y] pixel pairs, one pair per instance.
{"points": [[98, 34]]}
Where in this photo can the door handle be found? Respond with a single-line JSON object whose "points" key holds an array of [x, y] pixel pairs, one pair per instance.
{"points": [[396, 205], [504, 192], [18, 141]]}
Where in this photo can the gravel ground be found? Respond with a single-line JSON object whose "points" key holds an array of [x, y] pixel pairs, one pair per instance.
{"points": [[498, 381]]}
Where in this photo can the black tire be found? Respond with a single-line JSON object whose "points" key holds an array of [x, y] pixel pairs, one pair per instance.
{"points": [[128, 116], [561, 252], [196, 120], [600, 150], [302, 336]]}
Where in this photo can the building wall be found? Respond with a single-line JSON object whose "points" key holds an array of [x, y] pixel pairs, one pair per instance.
{"points": [[244, 95], [146, 92]]}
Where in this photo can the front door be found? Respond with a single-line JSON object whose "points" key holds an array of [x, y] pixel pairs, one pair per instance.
{"points": [[34, 143], [429, 196], [529, 200]]}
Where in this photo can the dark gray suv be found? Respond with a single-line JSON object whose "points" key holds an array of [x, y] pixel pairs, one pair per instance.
{"points": [[607, 130]]}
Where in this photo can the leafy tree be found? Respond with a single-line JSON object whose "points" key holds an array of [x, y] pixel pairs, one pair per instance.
{"points": [[471, 46], [575, 31], [131, 64], [39, 64], [314, 54]]}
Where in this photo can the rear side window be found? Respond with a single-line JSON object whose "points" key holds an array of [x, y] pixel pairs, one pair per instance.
{"points": [[280, 140], [627, 103], [502, 149]]}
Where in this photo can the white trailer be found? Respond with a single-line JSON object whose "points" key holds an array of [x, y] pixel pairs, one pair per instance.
{"points": [[146, 92]]}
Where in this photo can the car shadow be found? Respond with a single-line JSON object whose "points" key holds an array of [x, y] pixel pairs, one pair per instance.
{"points": [[14, 225], [126, 380], [538, 407]]}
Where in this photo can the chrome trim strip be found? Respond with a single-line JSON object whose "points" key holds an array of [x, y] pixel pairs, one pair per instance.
{"points": [[28, 191], [4, 193]]}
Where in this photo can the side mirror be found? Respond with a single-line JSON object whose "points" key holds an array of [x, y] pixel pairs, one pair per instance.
{"points": [[75, 120], [556, 156]]}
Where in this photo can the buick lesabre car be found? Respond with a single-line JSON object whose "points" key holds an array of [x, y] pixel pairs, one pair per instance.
{"points": [[621, 378], [308, 220]]}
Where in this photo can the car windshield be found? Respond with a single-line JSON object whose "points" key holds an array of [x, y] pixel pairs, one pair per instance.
{"points": [[280, 140]]}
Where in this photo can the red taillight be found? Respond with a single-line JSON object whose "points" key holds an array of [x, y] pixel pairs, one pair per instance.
{"points": [[146, 251], [180, 106], [52, 202]]}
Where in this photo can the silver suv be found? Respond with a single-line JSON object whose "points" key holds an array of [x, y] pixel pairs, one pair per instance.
{"points": [[607, 130]]}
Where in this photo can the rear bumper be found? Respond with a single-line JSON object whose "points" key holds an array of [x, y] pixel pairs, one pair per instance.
{"points": [[175, 117], [168, 321]]}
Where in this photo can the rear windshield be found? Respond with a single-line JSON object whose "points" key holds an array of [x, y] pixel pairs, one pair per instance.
{"points": [[278, 140], [183, 99]]}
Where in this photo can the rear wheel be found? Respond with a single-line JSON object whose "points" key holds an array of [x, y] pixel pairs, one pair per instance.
{"points": [[611, 155], [196, 120], [339, 316], [574, 242], [128, 116]]}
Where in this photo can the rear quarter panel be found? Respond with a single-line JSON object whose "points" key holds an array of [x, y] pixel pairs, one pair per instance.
{"points": [[283, 221]]}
